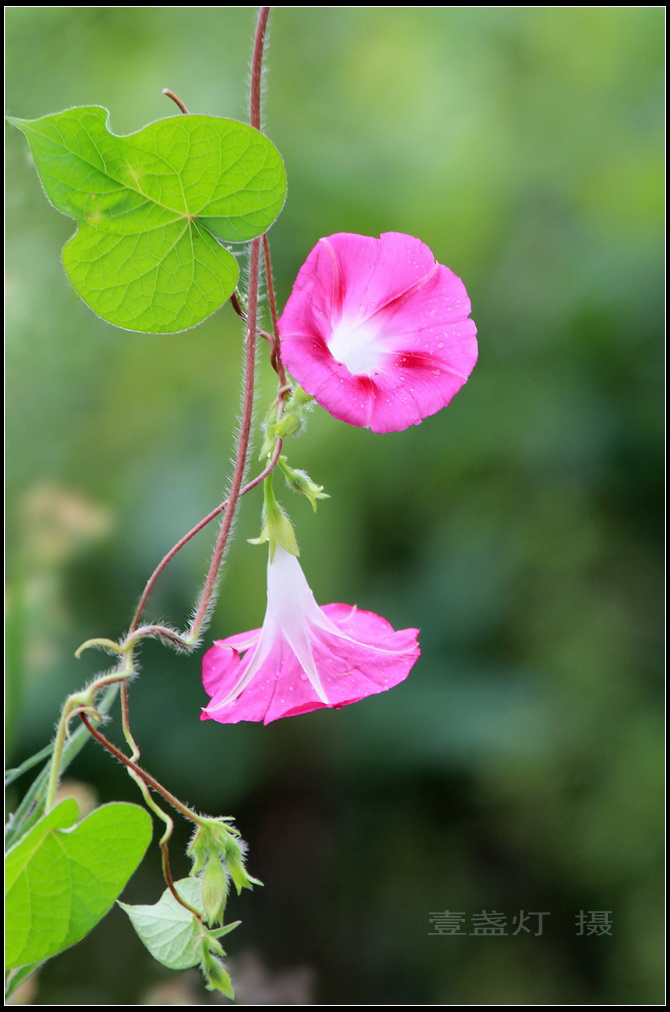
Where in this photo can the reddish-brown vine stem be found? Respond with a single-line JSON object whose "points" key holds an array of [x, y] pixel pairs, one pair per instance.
{"points": [[275, 355], [250, 357], [250, 317], [159, 789], [242, 445], [194, 530], [146, 777], [230, 506], [257, 68], [167, 875], [177, 101]]}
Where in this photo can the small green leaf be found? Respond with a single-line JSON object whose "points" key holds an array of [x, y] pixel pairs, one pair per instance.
{"points": [[152, 208], [61, 879], [170, 932], [177, 939]]}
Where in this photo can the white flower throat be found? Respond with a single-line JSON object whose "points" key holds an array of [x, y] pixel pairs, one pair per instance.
{"points": [[357, 346]]}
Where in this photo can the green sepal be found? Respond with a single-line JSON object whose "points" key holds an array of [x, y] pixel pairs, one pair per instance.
{"points": [[294, 415], [300, 481], [216, 976], [276, 528]]}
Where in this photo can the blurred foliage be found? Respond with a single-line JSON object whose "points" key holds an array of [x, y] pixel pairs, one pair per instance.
{"points": [[519, 767]]}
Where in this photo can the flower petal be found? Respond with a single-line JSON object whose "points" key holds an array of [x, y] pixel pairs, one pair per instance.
{"points": [[373, 272], [335, 656], [223, 677], [240, 641], [306, 657], [349, 670], [220, 665], [378, 332]]}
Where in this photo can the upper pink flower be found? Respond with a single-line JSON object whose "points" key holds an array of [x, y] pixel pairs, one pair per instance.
{"points": [[304, 657], [377, 331]]}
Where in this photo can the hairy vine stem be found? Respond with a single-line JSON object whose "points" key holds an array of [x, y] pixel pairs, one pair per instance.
{"points": [[82, 703]]}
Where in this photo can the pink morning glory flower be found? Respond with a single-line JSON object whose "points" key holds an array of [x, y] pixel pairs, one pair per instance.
{"points": [[377, 331], [305, 657]]}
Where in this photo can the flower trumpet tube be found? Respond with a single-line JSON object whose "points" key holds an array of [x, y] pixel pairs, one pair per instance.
{"points": [[304, 657], [377, 331]]}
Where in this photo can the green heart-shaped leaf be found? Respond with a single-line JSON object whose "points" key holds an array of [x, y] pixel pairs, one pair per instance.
{"points": [[152, 209], [61, 879], [177, 939], [170, 932]]}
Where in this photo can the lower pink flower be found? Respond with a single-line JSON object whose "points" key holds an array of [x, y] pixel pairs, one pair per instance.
{"points": [[377, 331], [304, 657]]}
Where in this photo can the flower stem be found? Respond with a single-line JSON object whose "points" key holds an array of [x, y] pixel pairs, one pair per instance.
{"points": [[257, 68], [83, 702], [275, 358], [203, 606], [30, 809], [79, 702], [176, 99], [167, 875], [54, 769], [139, 772], [202, 609], [143, 781], [151, 582], [229, 506]]}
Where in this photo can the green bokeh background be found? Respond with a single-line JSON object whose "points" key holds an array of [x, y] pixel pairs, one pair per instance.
{"points": [[519, 767]]}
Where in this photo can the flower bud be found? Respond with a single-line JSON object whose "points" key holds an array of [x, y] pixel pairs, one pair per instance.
{"points": [[215, 974], [300, 481], [214, 890]]}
